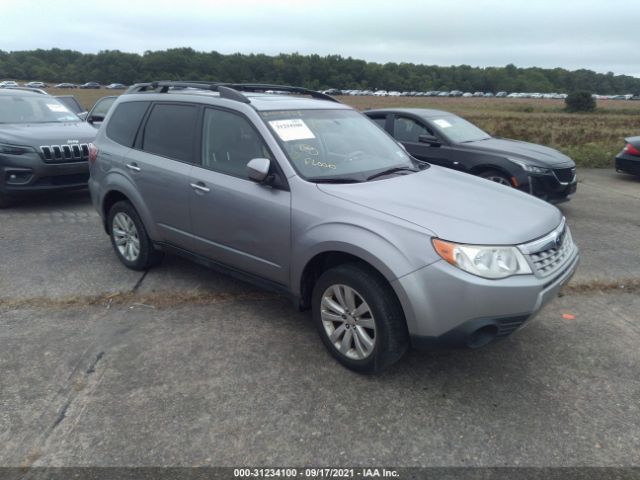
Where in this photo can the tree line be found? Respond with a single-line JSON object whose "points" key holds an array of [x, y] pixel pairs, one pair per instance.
{"points": [[311, 71]]}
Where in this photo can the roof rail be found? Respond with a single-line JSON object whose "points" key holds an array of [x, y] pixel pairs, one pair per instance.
{"points": [[25, 89], [259, 87], [231, 91]]}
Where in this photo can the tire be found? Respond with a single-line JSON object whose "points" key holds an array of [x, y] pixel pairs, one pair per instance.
{"points": [[5, 201], [384, 325], [497, 176], [129, 238]]}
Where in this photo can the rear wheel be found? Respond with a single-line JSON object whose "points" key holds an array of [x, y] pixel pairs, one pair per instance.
{"points": [[359, 318], [129, 237], [496, 176]]}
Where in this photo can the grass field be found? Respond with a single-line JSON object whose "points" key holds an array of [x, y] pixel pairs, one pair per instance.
{"points": [[592, 139]]}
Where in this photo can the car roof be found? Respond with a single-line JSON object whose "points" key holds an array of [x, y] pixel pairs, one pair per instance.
{"points": [[420, 112], [15, 92], [259, 101]]}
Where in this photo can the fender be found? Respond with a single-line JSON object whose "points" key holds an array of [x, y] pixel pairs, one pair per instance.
{"points": [[391, 254], [116, 181]]}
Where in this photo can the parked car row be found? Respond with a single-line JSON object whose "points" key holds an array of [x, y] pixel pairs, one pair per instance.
{"points": [[459, 93], [96, 85]]}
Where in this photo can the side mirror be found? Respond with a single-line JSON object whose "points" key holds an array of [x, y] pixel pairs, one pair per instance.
{"points": [[429, 139], [258, 169], [83, 115], [93, 119]]}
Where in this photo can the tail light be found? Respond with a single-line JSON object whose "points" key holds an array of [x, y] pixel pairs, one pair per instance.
{"points": [[631, 150], [93, 153]]}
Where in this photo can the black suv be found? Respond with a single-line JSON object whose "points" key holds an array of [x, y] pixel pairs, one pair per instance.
{"points": [[43, 145], [445, 139]]}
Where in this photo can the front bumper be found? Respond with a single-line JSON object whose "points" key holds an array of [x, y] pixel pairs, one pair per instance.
{"points": [[548, 187], [446, 306], [627, 164], [21, 175]]}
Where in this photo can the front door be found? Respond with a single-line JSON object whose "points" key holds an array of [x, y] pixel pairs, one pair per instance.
{"points": [[407, 130], [236, 221]]}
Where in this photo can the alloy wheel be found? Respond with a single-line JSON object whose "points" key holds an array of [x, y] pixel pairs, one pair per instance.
{"points": [[348, 322], [126, 237]]}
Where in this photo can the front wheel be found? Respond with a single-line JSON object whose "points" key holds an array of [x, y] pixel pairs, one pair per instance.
{"points": [[498, 177], [359, 318]]}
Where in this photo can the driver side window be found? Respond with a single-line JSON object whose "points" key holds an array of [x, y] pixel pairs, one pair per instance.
{"points": [[229, 141], [408, 130]]}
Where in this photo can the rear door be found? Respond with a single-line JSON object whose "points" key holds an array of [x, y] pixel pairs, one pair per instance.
{"points": [[236, 221], [407, 130], [160, 166]]}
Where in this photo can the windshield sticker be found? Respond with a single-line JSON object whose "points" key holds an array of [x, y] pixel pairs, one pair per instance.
{"points": [[442, 123], [54, 107], [292, 129]]}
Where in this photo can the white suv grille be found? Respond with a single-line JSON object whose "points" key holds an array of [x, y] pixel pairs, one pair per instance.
{"points": [[549, 261], [551, 253]]}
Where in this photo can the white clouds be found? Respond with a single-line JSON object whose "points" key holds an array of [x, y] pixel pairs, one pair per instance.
{"points": [[572, 34]]}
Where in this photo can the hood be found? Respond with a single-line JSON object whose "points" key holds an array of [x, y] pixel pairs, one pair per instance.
{"points": [[455, 206], [535, 154], [37, 134]]}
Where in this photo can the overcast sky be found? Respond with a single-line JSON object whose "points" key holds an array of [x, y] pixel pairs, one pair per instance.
{"points": [[598, 35]]}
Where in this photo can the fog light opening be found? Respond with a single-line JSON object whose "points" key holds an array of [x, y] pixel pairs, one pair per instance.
{"points": [[482, 336]]}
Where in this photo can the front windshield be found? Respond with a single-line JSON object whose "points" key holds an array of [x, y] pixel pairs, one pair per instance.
{"points": [[34, 109], [335, 144], [458, 130]]}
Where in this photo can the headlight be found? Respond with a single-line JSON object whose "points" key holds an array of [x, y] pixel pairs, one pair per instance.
{"points": [[529, 168], [483, 260], [14, 149]]}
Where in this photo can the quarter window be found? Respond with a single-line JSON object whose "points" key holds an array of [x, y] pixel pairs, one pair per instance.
{"points": [[124, 122], [171, 131], [229, 142]]}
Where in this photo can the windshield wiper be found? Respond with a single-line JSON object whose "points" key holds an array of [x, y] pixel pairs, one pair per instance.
{"points": [[389, 171], [334, 180]]}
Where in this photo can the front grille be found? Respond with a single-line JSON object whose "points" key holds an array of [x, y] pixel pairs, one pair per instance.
{"points": [[65, 153], [547, 262], [565, 175]]}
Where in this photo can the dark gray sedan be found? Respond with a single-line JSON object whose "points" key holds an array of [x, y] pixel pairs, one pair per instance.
{"points": [[445, 139]]}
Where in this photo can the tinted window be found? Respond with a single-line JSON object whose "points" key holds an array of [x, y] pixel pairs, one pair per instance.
{"points": [[102, 106], [171, 131], [229, 142], [124, 122], [408, 130], [380, 121]]}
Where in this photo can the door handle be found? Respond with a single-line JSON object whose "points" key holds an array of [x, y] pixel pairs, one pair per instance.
{"points": [[133, 166], [200, 186]]}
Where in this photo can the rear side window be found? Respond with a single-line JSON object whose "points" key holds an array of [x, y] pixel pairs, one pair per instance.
{"points": [[171, 131], [380, 121], [124, 122]]}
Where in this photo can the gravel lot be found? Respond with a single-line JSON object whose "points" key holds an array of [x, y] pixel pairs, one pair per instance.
{"points": [[182, 366]]}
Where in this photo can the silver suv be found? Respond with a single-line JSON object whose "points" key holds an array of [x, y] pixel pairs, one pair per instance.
{"points": [[310, 198]]}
